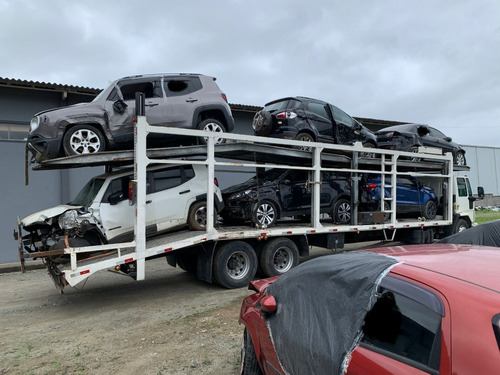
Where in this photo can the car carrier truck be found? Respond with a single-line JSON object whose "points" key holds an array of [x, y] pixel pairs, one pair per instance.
{"points": [[231, 255]]}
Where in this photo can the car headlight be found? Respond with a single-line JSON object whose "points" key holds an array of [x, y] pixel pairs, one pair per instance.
{"points": [[68, 220], [34, 123], [244, 194]]}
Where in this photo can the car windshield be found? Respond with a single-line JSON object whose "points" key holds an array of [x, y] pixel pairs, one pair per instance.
{"points": [[267, 176], [88, 193], [274, 106]]}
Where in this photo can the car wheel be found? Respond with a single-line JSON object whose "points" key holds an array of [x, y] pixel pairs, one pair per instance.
{"points": [[212, 125], [262, 122], [265, 214], [278, 256], [304, 137], [197, 219], [461, 226], [235, 264], [430, 210], [248, 361], [460, 158], [83, 139], [342, 211], [368, 154]]}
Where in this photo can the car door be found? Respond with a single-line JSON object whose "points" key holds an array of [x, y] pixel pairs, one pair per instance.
{"points": [[319, 118], [345, 126], [173, 191], [117, 215], [408, 194], [404, 331], [182, 101], [120, 106], [294, 192]]}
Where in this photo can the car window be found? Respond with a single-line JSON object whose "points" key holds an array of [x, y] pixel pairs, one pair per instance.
{"points": [[276, 106], [296, 176], [317, 108], [118, 185], [401, 180], [149, 87], [340, 116], [436, 133], [169, 178], [405, 328], [462, 187], [181, 86]]}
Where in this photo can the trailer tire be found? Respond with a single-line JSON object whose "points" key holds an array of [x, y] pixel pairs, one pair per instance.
{"points": [[83, 139], [248, 361], [235, 264], [278, 256], [197, 218]]}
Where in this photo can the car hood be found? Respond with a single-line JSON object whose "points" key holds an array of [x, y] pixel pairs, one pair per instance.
{"points": [[80, 109], [41, 217]]}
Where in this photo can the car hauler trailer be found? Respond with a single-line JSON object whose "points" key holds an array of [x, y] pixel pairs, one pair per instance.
{"points": [[231, 255]]}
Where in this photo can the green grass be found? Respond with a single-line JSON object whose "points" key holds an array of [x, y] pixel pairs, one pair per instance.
{"points": [[483, 216]]}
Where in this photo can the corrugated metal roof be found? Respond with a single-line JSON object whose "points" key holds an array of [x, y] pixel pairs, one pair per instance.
{"points": [[36, 85]]}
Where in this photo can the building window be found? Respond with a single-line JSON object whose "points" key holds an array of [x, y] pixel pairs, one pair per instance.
{"points": [[14, 131]]}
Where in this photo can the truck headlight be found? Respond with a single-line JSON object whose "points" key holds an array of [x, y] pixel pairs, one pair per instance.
{"points": [[34, 123], [68, 220]]}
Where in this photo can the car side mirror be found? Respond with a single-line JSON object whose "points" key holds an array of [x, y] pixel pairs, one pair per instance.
{"points": [[120, 106], [480, 192], [115, 197], [447, 139]]}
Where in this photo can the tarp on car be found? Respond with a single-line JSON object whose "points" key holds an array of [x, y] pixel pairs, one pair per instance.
{"points": [[487, 234], [321, 307]]}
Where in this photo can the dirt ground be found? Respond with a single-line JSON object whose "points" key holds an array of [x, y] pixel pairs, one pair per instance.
{"points": [[170, 323]]}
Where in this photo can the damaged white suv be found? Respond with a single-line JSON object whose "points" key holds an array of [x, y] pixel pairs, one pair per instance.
{"points": [[101, 213]]}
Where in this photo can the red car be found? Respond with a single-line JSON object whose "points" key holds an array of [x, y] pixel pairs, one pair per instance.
{"points": [[426, 309]]}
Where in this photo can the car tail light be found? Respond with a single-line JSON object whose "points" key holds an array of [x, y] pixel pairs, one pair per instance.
{"points": [[130, 190], [224, 97], [268, 304], [370, 187], [286, 115], [216, 183]]}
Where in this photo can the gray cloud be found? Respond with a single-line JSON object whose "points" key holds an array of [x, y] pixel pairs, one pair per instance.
{"points": [[426, 61]]}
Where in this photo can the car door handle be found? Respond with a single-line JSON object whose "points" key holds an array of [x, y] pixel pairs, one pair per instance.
{"points": [[185, 191], [148, 202], [151, 104], [191, 100]]}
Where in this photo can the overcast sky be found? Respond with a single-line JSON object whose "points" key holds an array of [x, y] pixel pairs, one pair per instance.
{"points": [[433, 62]]}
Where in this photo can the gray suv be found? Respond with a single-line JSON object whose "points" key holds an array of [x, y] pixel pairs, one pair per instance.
{"points": [[192, 101]]}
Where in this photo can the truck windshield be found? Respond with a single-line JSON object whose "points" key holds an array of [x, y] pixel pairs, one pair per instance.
{"points": [[88, 193]]}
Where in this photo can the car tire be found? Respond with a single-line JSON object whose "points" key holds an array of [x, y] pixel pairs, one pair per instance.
{"points": [[235, 264], [211, 125], [197, 218], [341, 212], [461, 226], [460, 159], [304, 137], [264, 214], [430, 210], [278, 256], [248, 362], [83, 139], [262, 122]]}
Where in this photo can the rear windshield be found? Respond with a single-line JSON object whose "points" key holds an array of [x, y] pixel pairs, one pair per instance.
{"points": [[88, 193], [276, 106]]}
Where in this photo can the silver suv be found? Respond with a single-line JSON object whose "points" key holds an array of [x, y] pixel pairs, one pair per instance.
{"points": [[191, 101], [101, 212]]}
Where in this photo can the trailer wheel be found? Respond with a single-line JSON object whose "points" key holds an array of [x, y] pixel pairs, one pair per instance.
{"points": [[83, 139], [430, 210], [278, 256], [197, 218], [235, 264], [265, 214], [461, 225], [342, 211], [248, 362], [212, 125]]}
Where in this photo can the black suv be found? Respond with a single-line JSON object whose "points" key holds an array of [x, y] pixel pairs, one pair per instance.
{"points": [[278, 193], [310, 120], [192, 101]]}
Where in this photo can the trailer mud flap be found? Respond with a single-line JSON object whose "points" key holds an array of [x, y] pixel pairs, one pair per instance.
{"points": [[205, 262], [56, 275]]}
